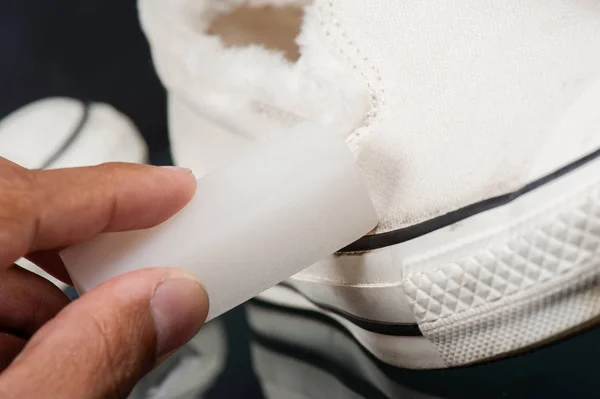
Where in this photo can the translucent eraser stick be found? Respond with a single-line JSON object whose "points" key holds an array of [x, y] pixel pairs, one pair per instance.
{"points": [[287, 204]]}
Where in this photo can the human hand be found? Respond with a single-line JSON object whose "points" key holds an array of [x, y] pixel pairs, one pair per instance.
{"points": [[102, 343]]}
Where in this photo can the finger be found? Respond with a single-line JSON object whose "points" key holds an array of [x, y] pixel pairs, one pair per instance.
{"points": [[42, 210], [51, 262], [28, 302], [102, 343]]}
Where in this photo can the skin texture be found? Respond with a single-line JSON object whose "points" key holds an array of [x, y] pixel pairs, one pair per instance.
{"points": [[99, 345]]}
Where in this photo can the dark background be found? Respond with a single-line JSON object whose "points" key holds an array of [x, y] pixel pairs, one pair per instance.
{"points": [[87, 49]]}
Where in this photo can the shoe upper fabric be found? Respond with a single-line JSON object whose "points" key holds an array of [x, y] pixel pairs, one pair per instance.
{"points": [[444, 103]]}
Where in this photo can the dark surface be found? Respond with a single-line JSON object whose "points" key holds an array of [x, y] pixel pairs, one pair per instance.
{"points": [[568, 367], [88, 49], [94, 50]]}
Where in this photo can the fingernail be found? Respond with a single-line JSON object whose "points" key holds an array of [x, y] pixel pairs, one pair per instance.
{"points": [[177, 168], [179, 307]]}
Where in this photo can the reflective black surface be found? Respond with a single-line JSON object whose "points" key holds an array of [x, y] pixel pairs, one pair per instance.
{"points": [[568, 368]]}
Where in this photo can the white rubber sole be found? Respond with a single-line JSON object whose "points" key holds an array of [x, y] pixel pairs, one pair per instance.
{"points": [[495, 283], [410, 352]]}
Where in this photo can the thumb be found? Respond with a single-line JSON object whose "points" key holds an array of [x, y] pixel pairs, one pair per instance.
{"points": [[102, 343]]}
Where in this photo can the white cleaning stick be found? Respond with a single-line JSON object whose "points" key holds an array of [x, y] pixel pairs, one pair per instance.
{"points": [[284, 206]]}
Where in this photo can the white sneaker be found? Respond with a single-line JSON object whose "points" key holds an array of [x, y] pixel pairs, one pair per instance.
{"points": [[63, 132], [476, 125]]}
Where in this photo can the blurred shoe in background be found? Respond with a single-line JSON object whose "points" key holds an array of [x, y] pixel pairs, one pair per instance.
{"points": [[65, 132]]}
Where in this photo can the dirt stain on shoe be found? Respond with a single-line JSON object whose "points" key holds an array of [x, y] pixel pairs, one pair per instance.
{"points": [[274, 27]]}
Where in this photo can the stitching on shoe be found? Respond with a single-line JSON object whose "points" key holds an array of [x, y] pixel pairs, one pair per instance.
{"points": [[377, 94]]}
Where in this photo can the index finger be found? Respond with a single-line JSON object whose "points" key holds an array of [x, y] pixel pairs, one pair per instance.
{"points": [[41, 210]]}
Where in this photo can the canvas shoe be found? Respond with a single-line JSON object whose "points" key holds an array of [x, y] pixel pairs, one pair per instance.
{"points": [[60, 132], [477, 129], [64, 132]]}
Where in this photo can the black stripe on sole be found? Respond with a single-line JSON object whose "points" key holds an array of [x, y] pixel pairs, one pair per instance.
{"points": [[304, 313], [378, 327], [72, 137], [377, 241]]}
